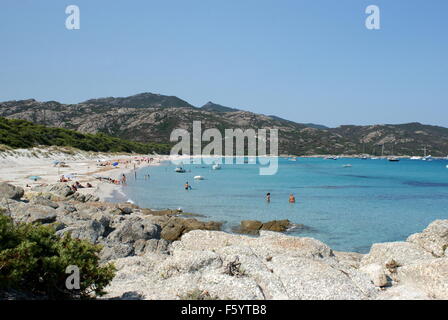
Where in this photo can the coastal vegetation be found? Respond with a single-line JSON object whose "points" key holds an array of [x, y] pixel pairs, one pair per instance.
{"points": [[34, 259], [16, 133]]}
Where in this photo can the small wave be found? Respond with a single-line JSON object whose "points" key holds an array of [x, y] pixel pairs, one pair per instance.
{"points": [[297, 227]]}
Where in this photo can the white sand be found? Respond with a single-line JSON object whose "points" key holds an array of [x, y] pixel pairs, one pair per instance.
{"points": [[18, 165]]}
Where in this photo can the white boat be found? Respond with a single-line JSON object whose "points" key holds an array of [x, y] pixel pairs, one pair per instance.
{"points": [[293, 159], [416, 158], [179, 170], [393, 159], [347, 166], [198, 178], [216, 167]]}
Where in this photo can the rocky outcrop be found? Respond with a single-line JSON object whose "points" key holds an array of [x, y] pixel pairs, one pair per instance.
{"points": [[253, 227], [134, 229], [165, 256], [8, 191], [272, 266], [415, 269], [402, 253], [429, 276], [44, 201], [434, 239]]}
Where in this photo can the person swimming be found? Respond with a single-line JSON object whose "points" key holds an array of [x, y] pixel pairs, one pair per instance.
{"points": [[187, 186], [292, 199], [268, 197]]}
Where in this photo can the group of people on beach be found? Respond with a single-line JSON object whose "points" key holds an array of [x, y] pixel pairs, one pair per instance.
{"points": [[292, 199], [77, 186]]}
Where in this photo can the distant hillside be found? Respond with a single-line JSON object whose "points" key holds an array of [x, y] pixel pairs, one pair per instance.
{"points": [[151, 117], [24, 134], [210, 106], [142, 100], [407, 139], [316, 126]]}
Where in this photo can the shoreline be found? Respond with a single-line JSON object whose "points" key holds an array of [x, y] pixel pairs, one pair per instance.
{"points": [[161, 256]]}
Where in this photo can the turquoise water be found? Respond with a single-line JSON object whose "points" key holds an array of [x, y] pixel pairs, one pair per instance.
{"points": [[347, 208]]}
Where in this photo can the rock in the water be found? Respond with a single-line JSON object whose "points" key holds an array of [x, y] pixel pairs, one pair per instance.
{"points": [[175, 227], [250, 226], [254, 226], [276, 225], [8, 191], [433, 239]]}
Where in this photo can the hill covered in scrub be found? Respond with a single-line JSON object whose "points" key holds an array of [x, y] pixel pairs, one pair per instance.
{"points": [[24, 134], [152, 117]]}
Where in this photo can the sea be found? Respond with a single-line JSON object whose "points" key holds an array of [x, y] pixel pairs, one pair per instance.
{"points": [[347, 207]]}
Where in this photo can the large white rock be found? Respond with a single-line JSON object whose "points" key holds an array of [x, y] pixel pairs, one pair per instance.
{"points": [[433, 239], [402, 253], [430, 276], [377, 274], [274, 266]]}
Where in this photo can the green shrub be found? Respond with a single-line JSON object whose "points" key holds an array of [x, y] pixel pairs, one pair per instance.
{"points": [[16, 133], [34, 259]]}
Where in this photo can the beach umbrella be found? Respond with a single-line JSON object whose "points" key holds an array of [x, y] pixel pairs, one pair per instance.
{"points": [[115, 164]]}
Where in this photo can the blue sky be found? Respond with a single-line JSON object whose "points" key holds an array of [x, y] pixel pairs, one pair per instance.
{"points": [[304, 60]]}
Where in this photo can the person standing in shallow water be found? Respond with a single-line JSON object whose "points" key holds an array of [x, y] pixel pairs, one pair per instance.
{"points": [[187, 186], [292, 199], [268, 197], [123, 179]]}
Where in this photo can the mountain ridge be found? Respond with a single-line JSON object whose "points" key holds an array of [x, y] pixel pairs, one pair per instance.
{"points": [[152, 117]]}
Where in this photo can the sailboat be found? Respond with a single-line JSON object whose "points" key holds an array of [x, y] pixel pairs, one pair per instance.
{"points": [[425, 157]]}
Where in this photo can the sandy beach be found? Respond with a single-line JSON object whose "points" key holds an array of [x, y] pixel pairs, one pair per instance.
{"points": [[20, 166]]}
